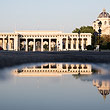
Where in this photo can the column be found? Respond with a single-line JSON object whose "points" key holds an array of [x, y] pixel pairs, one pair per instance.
{"points": [[41, 44], [49, 44], [15, 44], [18, 44], [57, 44], [77, 44], [72, 44], [3, 43], [8, 46], [61, 46], [82, 44], [26, 44], [66, 43], [34, 45]]}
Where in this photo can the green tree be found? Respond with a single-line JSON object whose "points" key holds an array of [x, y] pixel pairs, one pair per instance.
{"points": [[105, 42], [84, 29], [88, 29]]}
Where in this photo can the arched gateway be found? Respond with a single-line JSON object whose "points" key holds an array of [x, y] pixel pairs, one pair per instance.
{"points": [[44, 41]]}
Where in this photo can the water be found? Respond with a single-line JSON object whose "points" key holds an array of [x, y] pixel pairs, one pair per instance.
{"points": [[55, 86]]}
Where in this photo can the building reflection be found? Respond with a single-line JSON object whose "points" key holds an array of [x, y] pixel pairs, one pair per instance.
{"points": [[60, 69], [53, 69], [103, 87]]}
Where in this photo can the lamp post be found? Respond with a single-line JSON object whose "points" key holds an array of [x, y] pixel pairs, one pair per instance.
{"points": [[79, 40], [99, 24], [95, 34]]}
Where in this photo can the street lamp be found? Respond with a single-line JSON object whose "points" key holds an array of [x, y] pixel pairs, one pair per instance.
{"points": [[99, 25], [79, 40], [95, 34]]}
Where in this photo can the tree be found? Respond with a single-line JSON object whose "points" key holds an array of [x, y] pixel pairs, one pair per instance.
{"points": [[84, 29], [105, 42], [88, 29]]}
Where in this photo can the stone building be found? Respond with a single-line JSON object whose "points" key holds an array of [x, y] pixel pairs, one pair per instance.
{"points": [[44, 41], [104, 17]]}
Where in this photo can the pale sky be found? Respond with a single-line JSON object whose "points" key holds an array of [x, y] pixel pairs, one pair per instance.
{"points": [[61, 15]]}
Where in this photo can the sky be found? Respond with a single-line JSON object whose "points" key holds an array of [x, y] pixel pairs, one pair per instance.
{"points": [[60, 15]]}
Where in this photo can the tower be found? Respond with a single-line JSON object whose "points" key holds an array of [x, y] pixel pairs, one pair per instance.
{"points": [[104, 17]]}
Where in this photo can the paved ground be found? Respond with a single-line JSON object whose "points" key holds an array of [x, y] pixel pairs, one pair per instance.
{"points": [[8, 59]]}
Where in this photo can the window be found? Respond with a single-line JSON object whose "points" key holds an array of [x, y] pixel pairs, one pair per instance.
{"points": [[105, 22], [64, 66]]}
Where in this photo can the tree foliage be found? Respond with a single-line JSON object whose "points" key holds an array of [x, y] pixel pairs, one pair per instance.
{"points": [[88, 29], [84, 29], [105, 39], [105, 42]]}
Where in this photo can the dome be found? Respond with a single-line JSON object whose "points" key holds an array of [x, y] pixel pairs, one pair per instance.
{"points": [[104, 14], [104, 92]]}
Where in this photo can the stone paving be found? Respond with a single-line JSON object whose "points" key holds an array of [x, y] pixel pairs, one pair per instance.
{"points": [[12, 58]]}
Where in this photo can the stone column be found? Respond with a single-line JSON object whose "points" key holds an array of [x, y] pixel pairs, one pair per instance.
{"points": [[72, 44], [77, 44], [26, 44], [61, 46], [49, 44], [8, 46], [18, 44], [82, 44], [66, 43], [12, 45], [15, 44], [3, 43], [34, 45], [57, 44], [41, 44]]}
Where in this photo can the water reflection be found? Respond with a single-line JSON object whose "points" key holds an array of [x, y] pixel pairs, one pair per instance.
{"points": [[99, 75], [103, 87], [53, 69]]}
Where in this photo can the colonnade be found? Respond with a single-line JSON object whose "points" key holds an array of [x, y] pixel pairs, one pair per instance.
{"points": [[44, 41], [55, 69], [8, 44], [58, 45]]}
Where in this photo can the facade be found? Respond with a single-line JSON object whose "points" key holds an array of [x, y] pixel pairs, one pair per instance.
{"points": [[104, 17], [44, 41]]}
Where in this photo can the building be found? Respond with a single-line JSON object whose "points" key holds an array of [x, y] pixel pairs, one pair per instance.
{"points": [[44, 41], [104, 17]]}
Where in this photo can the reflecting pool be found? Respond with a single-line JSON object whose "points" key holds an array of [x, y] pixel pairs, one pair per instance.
{"points": [[55, 86]]}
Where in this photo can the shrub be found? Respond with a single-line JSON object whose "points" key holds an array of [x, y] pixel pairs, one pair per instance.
{"points": [[90, 47]]}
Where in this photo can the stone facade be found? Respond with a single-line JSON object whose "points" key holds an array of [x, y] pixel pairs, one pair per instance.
{"points": [[104, 17], [44, 41]]}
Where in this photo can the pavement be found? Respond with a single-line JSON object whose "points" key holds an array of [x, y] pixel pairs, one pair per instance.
{"points": [[13, 58]]}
